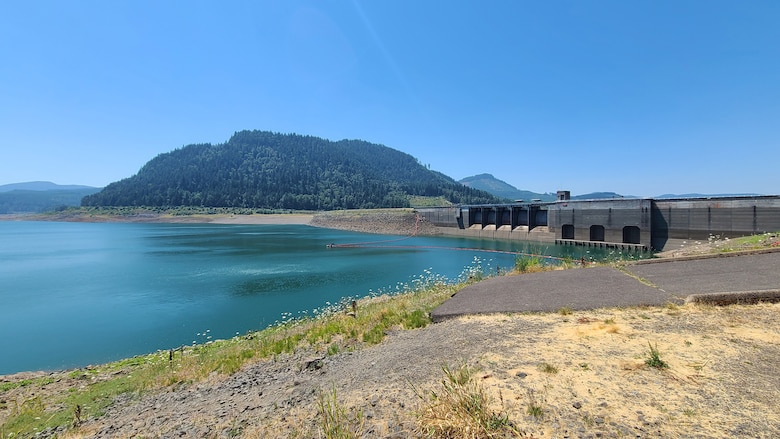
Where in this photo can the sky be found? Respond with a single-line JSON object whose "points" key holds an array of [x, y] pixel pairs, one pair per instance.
{"points": [[636, 97]]}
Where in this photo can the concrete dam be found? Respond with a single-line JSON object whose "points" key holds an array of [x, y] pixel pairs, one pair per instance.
{"points": [[629, 223]]}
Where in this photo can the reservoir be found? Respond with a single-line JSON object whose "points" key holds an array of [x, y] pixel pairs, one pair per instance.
{"points": [[74, 294]]}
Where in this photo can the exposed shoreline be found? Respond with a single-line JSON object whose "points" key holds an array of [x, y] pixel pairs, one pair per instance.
{"points": [[378, 221], [217, 218]]}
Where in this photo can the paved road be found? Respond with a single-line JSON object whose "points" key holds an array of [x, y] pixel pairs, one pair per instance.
{"points": [[599, 287]]}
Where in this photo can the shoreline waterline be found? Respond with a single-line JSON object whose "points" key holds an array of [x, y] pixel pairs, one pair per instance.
{"points": [[152, 286], [216, 218]]}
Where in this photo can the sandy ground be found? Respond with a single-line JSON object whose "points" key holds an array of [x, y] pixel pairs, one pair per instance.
{"points": [[586, 372]]}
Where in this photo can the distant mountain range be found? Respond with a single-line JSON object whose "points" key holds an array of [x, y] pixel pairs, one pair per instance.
{"points": [[42, 186], [500, 188], [271, 170], [41, 196], [600, 196], [705, 195]]}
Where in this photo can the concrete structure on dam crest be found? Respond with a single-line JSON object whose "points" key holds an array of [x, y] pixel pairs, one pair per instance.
{"points": [[628, 223]]}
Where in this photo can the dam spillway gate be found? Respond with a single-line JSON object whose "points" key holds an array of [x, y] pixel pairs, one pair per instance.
{"points": [[625, 223]]}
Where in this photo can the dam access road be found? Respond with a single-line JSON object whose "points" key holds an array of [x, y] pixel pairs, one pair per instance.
{"points": [[721, 278]]}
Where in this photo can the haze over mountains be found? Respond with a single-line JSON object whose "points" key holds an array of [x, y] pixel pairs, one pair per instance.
{"points": [[43, 186], [489, 183], [41, 196], [500, 188]]}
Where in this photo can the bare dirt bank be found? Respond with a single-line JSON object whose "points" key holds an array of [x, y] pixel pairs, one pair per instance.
{"points": [[380, 221]]}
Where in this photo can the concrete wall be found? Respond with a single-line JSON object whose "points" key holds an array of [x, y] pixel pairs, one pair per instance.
{"points": [[602, 220], [678, 220], [655, 224], [441, 216]]}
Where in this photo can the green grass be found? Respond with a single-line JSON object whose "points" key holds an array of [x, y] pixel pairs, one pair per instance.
{"points": [[421, 201], [30, 415], [535, 410], [336, 422], [654, 358], [753, 242], [529, 264], [534, 406], [42, 381]]}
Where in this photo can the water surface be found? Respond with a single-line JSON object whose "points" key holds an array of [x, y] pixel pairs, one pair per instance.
{"points": [[74, 294]]}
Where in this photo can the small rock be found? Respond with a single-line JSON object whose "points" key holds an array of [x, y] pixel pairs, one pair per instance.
{"points": [[314, 364], [521, 375], [577, 405]]}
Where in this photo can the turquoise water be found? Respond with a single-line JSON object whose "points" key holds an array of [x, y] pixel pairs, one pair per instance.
{"points": [[73, 294]]}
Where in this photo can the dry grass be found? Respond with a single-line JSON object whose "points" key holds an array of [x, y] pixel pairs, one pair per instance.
{"points": [[461, 408]]}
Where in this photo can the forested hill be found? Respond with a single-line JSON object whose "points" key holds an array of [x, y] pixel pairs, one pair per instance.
{"points": [[262, 169]]}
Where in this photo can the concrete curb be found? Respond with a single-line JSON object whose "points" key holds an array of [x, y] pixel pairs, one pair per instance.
{"points": [[735, 297], [706, 256]]}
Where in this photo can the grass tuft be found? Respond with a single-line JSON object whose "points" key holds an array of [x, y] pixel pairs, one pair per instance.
{"points": [[534, 407], [462, 408], [526, 264], [335, 421], [548, 368], [654, 358]]}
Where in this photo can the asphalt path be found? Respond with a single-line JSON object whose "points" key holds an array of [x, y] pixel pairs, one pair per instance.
{"points": [[655, 282]]}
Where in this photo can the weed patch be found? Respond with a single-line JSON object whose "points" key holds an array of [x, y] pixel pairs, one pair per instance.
{"points": [[462, 408], [654, 358], [336, 422]]}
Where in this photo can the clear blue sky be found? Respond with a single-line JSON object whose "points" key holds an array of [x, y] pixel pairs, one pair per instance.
{"points": [[637, 97]]}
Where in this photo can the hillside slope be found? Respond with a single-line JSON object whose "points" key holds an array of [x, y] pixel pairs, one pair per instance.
{"points": [[288, 171], [42, 197]]}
